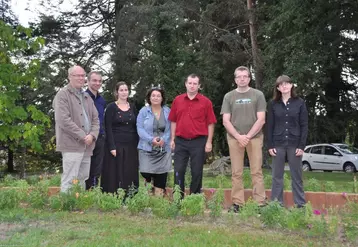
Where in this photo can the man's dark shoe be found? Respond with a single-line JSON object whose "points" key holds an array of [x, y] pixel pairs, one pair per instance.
{"points": [[235, 208]]}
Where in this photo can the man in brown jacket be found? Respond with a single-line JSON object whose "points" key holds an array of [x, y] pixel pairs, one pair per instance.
{"points": [[77, 127]]}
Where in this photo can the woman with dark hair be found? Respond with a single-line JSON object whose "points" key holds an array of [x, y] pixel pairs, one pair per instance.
{"points": [[287, 128], [153, 128], [120, 164]]}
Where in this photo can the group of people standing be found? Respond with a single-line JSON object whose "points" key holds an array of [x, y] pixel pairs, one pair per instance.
{"points": [[115, 142]]}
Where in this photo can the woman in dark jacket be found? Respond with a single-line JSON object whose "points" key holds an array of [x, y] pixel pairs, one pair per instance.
{"points": [[287, 127], [120, 163]]}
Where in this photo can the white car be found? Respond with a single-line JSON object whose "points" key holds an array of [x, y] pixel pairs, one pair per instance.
{"points": [[330, 157]]}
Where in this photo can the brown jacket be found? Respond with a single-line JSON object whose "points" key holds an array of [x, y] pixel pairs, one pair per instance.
{"points": [[69, 120]]}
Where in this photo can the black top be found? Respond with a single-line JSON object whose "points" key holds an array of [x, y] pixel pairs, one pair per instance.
{"points": [[120, 125], [287, 125]]}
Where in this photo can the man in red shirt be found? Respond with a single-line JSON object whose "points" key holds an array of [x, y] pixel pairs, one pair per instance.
{"points": [[192, 129]]}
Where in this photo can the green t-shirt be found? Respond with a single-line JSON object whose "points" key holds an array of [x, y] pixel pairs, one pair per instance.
{"points": [[243, 108]]}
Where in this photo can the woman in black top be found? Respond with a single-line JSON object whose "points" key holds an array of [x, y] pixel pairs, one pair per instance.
{"points": [[120, 164], [287, 127]]}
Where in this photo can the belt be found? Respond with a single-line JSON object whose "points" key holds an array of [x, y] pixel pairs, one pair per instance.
{"points": [[189, 139]]}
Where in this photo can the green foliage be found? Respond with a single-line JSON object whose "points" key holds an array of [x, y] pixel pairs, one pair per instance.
{"points": [[192, 205], [55, 180], [10, 181], [161, 207], [313, 185], [350, 223], [330, 186], [268, 181], [249, 209], [9, 198], [175, 205], [139, 201], [286, 182], [22, 124], [216, 202], [296, 219], [274, 214], [38, 195]]}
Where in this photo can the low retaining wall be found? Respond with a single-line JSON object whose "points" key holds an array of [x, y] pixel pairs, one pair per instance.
{"points": [[318, 200]]}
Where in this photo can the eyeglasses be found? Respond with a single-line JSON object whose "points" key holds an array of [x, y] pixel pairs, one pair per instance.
{"points": [[78, 75]]}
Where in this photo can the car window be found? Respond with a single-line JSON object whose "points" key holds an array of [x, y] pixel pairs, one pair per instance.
{"points": [[316, 150], [308, 150], [328, 150]]}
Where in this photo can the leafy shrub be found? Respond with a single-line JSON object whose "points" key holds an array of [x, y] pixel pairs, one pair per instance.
{"points": [[9, 198], [349, 217], [330, 186], [274, 214], [174, 207], [38, 195], [55, 202], [32, 180], [55, 180], [296, 218], [160, 206], [313, 185], [10, 181], [192, 205], [216, 203], [250, 209], [139, 201]]}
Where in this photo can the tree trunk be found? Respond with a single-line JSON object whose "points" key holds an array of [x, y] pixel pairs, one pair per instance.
{"points": [[10, 160], [256, 54]]}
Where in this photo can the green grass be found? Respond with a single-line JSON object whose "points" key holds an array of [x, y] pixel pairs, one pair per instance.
{"points": [[26, 227], [342, 181]]}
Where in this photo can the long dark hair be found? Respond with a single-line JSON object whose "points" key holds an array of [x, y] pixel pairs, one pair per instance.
{"points": [[277, 95]]}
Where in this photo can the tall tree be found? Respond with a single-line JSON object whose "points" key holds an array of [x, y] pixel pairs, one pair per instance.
{"points": [[22, 124], [314, 42]]}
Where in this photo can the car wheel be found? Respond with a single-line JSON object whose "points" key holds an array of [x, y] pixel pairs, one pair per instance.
{"points": [[349, 167], [306, 166]]}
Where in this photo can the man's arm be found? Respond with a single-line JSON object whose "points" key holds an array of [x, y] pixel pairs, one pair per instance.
{"points": [[173, 126], [257, 125], [242, 139], [209, 141]]}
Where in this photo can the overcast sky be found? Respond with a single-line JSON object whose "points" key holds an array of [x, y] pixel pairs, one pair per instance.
{"points": [[27, 10]]}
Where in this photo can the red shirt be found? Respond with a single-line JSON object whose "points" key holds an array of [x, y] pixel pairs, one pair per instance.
{"points": [[192, 117]]}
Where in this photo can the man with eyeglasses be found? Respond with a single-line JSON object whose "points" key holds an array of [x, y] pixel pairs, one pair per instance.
{"points": [[77, 127], [243, 111], [94, 82]]}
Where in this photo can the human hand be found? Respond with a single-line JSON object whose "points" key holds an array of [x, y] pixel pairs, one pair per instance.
{"points": [[208, 147], [155, 141], [114, 153], [299, 152], [88, 140], [161, 142], [243, 140], [272, 151], [172, 144]]}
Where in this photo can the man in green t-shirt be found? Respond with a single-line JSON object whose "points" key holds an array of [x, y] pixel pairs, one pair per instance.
{"points": [[243, 111]]}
